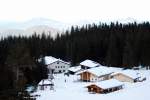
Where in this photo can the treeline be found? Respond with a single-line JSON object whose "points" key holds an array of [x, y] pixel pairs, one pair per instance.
{"points": [[114, 44]]}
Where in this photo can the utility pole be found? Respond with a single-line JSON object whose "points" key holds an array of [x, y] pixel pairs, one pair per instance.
{"points": [[51, 77]]}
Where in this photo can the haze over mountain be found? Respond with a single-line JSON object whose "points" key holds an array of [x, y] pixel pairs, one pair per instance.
{"points": [[31, 23], [40, 25]]}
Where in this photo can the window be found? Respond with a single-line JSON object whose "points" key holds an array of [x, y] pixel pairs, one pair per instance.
{"points": [[112, 77], [58, 62]]}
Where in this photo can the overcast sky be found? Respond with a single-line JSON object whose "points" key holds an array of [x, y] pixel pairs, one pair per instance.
{"points": [[74, 10]]}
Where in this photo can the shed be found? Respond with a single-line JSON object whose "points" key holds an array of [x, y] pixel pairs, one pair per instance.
{"points": [[105, 86], [45, 84]]}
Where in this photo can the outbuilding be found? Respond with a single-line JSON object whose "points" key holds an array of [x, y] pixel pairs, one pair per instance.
{"points": [[105, 86], [45, 84]]}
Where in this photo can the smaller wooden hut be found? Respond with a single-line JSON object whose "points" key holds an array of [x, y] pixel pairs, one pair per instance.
{"points": [[45, 84], [105, 86]]}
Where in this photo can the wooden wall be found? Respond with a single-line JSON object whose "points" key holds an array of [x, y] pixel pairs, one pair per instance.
{"points": [[123, 78], [85, 76]]}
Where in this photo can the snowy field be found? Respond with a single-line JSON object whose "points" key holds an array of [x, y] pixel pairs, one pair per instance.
{"points": [[71, 89]]}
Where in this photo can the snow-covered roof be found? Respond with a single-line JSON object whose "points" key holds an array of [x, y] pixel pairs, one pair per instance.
{"points": [[89, 63], [98, 71], [75, 68], [130, 73], [108, 84], [50, 60], [44, 82]]}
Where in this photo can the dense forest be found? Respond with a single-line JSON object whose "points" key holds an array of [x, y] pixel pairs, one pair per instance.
{"points": [[114, 44]]}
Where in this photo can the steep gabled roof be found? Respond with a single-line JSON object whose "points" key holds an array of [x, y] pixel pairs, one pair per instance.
{"points": [[89, 63], [130, 73], [98, 71], [45, 82], [107, 84], [49, 60], [75, 68]]}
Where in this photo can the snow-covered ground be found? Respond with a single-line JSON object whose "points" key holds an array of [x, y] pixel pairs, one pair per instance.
{"points": [[68, 88]]}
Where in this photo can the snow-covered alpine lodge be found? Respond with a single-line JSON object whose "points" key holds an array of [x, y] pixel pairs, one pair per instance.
{"points": [[57, 65]]}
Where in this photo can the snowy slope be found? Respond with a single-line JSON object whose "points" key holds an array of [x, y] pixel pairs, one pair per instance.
{"points": [[74, 90]]}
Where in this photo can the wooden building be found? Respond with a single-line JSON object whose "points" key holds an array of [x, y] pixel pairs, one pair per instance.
{"points": [[105, 86], [127, 76], [95, 74], [45, 84]]}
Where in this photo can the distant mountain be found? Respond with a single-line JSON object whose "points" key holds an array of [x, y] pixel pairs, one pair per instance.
{"points": [[42, 29], [39, 29], [42, 21], [38, 25], [31, 23]]}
